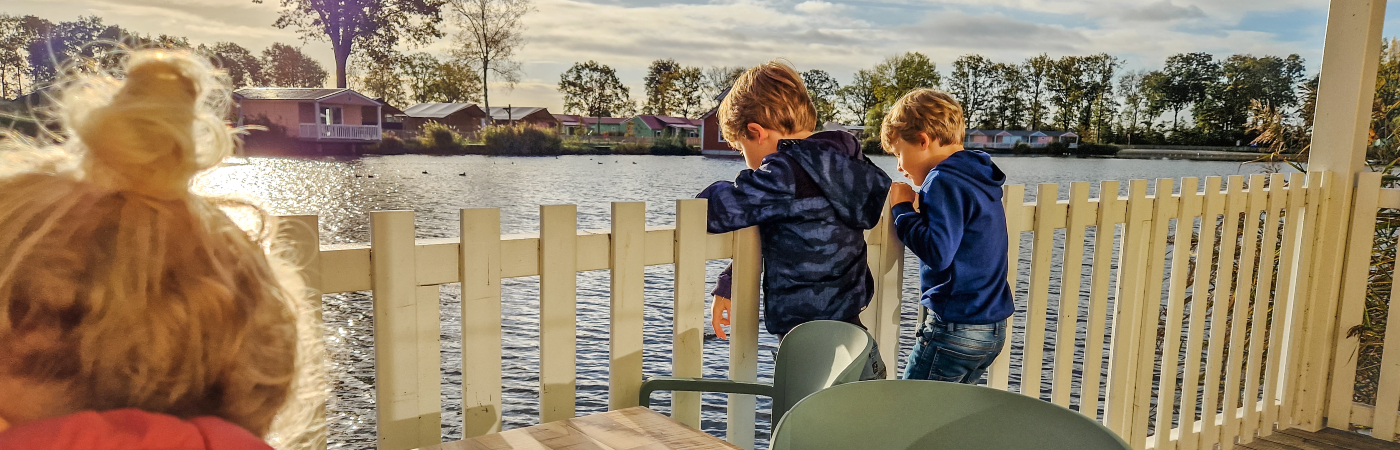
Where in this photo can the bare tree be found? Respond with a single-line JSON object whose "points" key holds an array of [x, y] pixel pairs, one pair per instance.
{"points": [[491, 33]]}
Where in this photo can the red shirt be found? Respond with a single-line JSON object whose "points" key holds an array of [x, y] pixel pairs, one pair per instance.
{"points": [[129, 429]]}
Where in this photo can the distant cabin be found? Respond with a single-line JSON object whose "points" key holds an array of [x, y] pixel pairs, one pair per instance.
{"points": [[856, 130], [650, 125], [594, 126], [712, 141], [466, 118], [1006, 139], [537, 117], [322, 121]]}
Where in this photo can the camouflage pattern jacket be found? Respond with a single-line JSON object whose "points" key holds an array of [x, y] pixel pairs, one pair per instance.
{"points": [[811, 200]]}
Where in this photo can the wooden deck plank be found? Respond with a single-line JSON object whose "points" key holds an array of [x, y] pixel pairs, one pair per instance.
{"points": [[633, 428], [1326, 439]]}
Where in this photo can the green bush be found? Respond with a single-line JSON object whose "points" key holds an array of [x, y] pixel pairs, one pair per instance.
{"points": [[871, 146], [1095, 150], [440, 138], [521, 140], [631, 148], [671, 145], [390, 144], [1022, 148]]}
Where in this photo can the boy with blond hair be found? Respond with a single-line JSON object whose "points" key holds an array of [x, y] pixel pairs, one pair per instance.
{"points": [[811, 195], [957, 227]]}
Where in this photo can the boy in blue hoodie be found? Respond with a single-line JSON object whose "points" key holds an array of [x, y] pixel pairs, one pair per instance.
{"points": [[956, 225], [812, 196]]}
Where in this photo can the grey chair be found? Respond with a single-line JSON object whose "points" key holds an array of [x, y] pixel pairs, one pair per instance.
{"points": [[934, 415], [813, 356]]}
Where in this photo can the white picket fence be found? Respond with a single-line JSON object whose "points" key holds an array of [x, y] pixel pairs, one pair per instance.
{"points": [[1242, 336]]}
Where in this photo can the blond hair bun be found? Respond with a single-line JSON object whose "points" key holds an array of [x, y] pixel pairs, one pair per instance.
{"points": [[161, 127]]}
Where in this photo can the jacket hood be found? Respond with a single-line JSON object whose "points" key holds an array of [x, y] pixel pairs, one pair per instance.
{"points": [[977, 166], [130, 429], [853, 184]]}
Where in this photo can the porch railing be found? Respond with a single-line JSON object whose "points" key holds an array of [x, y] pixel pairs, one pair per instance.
{"points": [[349, 132], [1172, 316]]}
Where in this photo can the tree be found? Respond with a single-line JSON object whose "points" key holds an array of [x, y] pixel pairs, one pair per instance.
{"points": [[660, 83], [823, 90], [1066, 81], [70, 46], [690, 92], [896, 76], [1134, 102], [351, 25], [858, 98], [287, 66], [491, 33], [1184, 81], [718, 79], [433, 80], [16, 33], [381, 78], [1245, 79], [593, 89], [1008, 103], [244, 68], [1036, 71], [1098, 107], [971, 83]]}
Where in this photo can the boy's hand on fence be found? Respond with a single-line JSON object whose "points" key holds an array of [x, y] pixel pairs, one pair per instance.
{"points": [[719, 316], [901, 193]]}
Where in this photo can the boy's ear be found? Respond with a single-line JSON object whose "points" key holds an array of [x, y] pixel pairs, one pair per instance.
{"points": [[756, 131], [925, 141]]}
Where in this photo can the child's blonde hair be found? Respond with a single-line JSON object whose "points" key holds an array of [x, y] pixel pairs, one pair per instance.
{"points": [[930, 111], [127, 290], [771, 95]]}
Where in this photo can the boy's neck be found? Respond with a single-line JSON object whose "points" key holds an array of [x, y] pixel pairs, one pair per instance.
{"points": [[769, 145], [943, 152]]}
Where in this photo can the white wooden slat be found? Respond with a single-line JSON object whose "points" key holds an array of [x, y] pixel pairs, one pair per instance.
{"points": [[1079, 212], [743, 339], [1126, 317], [1189, 208], [1293, 197], [1388, 389], [1013, 201], [1109, 207], [345, 268], [1352, 305], [719, 246], [1300, 279], [520, 256], [299, 239], [1216, 361], [558, 311], [1264, 281], [626, 284], [1255, 202], [688, 306], [1320, 316], [1213, 205], [1389, 198], [1164, 206], [1042, 249], [882, 316], [405, 416], [481, 320]]}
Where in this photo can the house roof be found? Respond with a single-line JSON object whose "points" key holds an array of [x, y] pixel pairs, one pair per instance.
{"points": [[340, 95], [656, 122], [568, 120], [1023, 133], [514, 113], [437, 110]]}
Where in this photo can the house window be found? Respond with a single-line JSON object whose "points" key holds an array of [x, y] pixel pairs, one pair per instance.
{"points": [[330, 115]]}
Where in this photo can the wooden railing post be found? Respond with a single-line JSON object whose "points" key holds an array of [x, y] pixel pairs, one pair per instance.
{"points": [[479, 262], [688, 307], [628, 275], [1126, 317], [1013, 200], [1110, 209], [1352, 298], [743, 339], [406, 348], [558, 311], [882, 316]]}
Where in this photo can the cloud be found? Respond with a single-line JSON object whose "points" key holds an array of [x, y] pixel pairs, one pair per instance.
{"points": [[968, 34], [819, 7], [1162, 11]]}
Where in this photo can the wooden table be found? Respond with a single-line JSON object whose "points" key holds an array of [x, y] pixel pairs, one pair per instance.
{"points": [[635, 428]]}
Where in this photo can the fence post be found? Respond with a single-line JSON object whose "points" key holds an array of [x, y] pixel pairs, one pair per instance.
{"points": [[1110, 208], [743, 339], [1343, 117], [1126, 317], [882, 316], [480, 265], [405, 338], [558, 311], [628, 275], [1013, 201], [302, 235], [688, 306], [1352, 299]]}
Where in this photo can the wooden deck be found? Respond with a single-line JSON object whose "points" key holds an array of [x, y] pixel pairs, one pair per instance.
{"points": [[1327, 439]]}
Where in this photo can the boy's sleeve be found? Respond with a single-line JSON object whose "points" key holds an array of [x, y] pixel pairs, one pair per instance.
{"points": [[755, 197], [933, 234], [723, 283]]}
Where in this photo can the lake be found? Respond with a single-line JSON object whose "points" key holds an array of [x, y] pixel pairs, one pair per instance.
{"points": [[344, 191]]}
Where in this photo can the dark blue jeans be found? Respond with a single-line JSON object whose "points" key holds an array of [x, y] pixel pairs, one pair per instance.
{"points": [[954, 352]]}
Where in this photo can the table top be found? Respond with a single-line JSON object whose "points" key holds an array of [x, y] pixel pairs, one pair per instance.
{"points": [[634, 428]]}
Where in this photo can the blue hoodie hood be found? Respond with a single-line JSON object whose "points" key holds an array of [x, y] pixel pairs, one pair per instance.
{"points": [[975, 166], [854, 185]]}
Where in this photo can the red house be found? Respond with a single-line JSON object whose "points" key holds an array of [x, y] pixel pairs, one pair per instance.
{"points": [[712, 141]]}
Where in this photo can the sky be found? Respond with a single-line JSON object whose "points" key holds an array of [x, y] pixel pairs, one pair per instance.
{"points": [[838, 36]]}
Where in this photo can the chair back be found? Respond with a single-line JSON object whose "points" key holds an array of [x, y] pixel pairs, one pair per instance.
{"points": [[933, 415], [817, 355]]}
